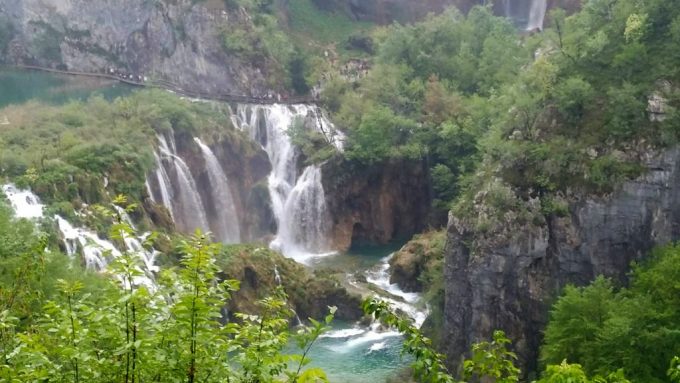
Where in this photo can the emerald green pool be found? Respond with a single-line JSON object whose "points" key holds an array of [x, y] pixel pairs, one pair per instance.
{"points": [[19, 86], [354, 352]]}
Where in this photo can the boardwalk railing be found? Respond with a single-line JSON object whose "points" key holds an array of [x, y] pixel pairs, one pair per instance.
{"points": [[168, 85]]}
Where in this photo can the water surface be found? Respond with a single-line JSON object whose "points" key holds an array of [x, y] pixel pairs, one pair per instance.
{"points": [[20, 86]]}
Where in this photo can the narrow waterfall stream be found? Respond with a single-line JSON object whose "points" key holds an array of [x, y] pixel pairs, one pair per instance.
{"points": [[163, 184], [185, 204], [227, 229], [526, 14], [537, 14]]}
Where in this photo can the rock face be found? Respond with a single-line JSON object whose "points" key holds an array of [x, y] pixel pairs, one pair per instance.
{"points": [[176, 41], [376, 204], [509, 283]]}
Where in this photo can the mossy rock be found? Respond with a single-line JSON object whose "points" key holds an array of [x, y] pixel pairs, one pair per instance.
{"points": [[309, 295], [415, 258]]}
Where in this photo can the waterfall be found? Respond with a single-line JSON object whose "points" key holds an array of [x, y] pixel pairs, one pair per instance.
{"points": [[304, 223], [227, 229], [188, 210], [407, 302], [279, 282], [537, 14], [277, 276], [163, 184], [24, 203], [96, 252], [507, 8], [298, 204]]}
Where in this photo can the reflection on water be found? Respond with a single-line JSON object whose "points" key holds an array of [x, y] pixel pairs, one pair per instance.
{"points": [[19, 86]]}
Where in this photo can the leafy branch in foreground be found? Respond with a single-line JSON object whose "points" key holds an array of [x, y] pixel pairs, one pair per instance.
{"points": [[429, 365], [489, 361], [145, 327]]}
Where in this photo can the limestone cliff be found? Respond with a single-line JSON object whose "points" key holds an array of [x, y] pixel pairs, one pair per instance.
{"points": [[378, 203], [508, 280], [176, 41]]}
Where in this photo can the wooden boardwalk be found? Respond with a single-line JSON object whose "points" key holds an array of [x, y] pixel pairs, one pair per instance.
{"points": [[167, 85]]}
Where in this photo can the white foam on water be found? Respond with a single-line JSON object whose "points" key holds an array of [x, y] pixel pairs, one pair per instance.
{"points": [[96, 252], [380, 277], [345, 333], [24, 203], [371, 336], [377, 347]]}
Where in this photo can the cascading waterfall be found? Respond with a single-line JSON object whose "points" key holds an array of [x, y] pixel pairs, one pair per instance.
{"points": [[24, 203], [298, 204], [408, 304], [526, 14], [227, 229], [188, 210], [537, 14], [304, 222], [96, 252]]}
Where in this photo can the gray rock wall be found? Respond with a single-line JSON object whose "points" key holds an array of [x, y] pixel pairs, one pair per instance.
{"points": [[511, 284], [176, 41]]}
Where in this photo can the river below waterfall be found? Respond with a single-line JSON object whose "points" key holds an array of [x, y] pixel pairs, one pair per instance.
{"points": [[356, 352]]}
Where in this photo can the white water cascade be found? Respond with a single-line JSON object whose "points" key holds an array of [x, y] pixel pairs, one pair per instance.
{"points": [[24, 203], [537, 14], [526, 14], [227, 229], [303, 226], [408, 302], [375, 338], [96, 252], [184, 201], [298, 204]]}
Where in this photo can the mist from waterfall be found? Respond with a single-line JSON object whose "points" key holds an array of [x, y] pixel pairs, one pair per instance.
{"points": [[298, 204], [227, 226]]}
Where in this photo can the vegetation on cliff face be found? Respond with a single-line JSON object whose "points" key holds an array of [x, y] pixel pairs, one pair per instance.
{"points": [[562, 111], [290, 41], [605, 328]]}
